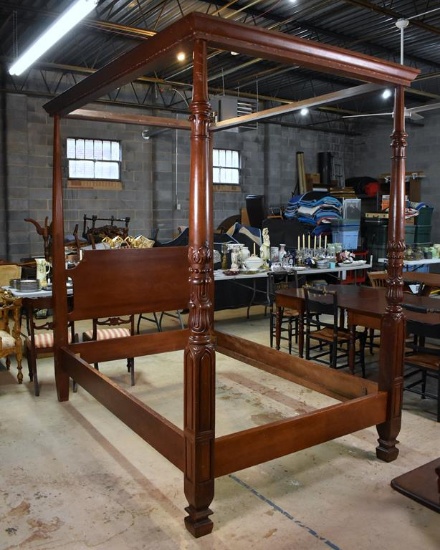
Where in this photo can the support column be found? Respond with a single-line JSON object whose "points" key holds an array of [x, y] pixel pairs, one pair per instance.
{"points": [[58, 264], [199, 376], [393, 322]]}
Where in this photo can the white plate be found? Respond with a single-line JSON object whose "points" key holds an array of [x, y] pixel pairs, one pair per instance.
{"points": [[356, 262]]}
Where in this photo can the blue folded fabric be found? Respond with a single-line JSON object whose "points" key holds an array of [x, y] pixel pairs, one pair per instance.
{"points": [[418, 205], [252, 233], [315, 210]]}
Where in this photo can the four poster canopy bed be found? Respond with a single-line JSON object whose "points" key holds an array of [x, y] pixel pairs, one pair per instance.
{"points": [[161, 279]]}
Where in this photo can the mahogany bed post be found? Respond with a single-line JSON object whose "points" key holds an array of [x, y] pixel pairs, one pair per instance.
{"points": [[59, 276], [393, 322], [199, 361]]}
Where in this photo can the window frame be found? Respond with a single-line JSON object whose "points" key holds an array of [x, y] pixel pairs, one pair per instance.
{"points": [[104, 158], [226, 163]]}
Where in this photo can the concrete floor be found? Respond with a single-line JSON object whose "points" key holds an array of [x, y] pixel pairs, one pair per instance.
{"points": [[74, 477]]}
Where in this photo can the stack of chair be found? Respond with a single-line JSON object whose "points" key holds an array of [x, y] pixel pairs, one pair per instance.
{"points": [[378, 279], [325, 340], [289, 317], [422, 358]]}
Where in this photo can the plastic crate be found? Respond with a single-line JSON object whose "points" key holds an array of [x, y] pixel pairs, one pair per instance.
{"points": [[425, 216], [347, 235], [375, 232], [410, 233], [422, 234], [418, 269], [378, 252]]}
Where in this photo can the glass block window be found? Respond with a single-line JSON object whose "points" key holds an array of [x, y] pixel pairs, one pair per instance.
{"points": [[226, 167], [90, 159]]}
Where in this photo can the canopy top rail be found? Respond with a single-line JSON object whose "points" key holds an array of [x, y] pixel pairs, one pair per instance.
{"points": [[161, 49]]}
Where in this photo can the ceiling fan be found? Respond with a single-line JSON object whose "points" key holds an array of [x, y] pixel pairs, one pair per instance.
{"points": [[411, 112]]}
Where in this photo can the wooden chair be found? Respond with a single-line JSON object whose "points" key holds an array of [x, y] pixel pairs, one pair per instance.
{"points": [[422, 360], [10, 330], [324, 335], [378, 279], [8, 272], [289, 317], [95, 234], [40, 337], [110, 328]]}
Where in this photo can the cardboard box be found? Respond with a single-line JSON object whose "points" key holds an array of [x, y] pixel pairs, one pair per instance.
{"points": [[313, 178]]}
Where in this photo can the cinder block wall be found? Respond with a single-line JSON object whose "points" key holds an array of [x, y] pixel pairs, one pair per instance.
{"points": [[372, 154], [155, 172]]}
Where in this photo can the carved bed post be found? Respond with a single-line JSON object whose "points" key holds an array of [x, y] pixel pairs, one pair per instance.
{"points": [[393, 322], [59, 275], [199, 377]]}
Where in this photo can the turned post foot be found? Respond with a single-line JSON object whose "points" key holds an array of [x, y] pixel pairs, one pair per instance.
{"points": [[197, 522], [387, 450]]}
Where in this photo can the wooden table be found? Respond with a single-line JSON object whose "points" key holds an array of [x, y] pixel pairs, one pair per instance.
{"points": [[360, 302], [421, 485], [365, 306], [428, 281]]}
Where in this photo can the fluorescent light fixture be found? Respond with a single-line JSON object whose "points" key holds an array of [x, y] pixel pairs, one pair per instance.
{"points": [[57, 30]]}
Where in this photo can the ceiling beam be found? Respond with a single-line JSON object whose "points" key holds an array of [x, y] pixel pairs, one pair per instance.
{"points": [[141, 120], [347, 93], [275, 46]]}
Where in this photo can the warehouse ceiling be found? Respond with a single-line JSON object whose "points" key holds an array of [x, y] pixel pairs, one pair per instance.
{"points": [[116, 26]]}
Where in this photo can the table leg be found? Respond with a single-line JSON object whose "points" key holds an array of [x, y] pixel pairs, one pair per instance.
{"points": [[301, 335], [351, 347], [279, 316], [254, 291]]}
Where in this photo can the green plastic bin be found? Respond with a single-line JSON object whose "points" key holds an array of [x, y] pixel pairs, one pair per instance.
{"points": [[425, 216], [423, 233], [410, 234]]}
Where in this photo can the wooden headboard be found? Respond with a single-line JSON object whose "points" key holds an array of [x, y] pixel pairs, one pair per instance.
{"points": [[126, 281]]}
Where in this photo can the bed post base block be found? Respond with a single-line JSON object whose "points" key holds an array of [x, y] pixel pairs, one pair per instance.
{"points": [[198, 522]]}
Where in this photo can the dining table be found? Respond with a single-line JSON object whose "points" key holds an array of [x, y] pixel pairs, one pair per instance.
{"points": [[421, 484], [254, 287], [40, 299], [426, 282], [363, 306]]}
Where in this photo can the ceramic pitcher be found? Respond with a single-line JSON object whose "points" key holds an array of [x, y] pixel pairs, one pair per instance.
{"points": [[43, 268]]}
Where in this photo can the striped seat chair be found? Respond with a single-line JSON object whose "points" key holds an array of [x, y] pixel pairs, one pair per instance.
{"points": [[40, 337], [110, 328]]}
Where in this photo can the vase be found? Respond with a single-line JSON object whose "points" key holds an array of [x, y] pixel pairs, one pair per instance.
{"points": [[282, 253]]}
